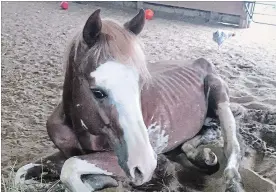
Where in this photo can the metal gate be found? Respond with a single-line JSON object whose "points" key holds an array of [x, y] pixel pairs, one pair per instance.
{"points": [[262, 12]]}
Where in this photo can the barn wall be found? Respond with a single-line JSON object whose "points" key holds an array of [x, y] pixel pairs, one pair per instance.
{"points": [[232, 12], [226, 7]]}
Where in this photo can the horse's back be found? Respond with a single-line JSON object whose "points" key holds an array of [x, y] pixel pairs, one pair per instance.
{"points": [[175, 100], [201, 65]]}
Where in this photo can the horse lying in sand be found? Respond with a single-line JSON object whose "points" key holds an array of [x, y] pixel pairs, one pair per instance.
{"points": [[117, 113]]}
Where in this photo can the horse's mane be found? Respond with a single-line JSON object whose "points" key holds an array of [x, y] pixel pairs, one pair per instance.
{"points": [[117, 44]]}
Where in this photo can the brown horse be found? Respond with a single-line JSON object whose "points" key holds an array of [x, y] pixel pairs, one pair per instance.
{"points": [[117, 113]]}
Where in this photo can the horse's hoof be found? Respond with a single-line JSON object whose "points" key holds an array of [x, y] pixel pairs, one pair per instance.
{"points": [[205, 158], [210, 157], [99, 182], [25, 174]]}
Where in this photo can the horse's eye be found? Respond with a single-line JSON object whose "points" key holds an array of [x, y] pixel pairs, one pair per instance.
{"points": [[99, 94]]}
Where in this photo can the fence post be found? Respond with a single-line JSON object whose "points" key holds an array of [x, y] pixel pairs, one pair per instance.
{"points": [[139, 4], [245, 19]]}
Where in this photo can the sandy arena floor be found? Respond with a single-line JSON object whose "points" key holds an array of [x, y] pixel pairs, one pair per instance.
{"points": [[33, 40]]}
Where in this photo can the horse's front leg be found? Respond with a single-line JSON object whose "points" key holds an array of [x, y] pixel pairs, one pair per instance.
{"points": [[62, 135], [219, 103], [231, 147], [84, 173], [47, 169], [100, 170], [91, 172]]}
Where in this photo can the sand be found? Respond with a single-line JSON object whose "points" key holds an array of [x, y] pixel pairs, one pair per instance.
{"points": [[33, 40]]}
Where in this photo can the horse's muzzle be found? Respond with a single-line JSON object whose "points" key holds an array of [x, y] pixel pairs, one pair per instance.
{"points": [[144, 169]]}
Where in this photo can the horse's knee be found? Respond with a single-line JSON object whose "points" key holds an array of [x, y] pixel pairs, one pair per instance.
{"points": [[51, 127], [58, 132], [63, 136]]}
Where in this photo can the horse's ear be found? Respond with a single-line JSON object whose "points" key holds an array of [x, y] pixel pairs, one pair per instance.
{"points": [[92, 27], [136, 24]]}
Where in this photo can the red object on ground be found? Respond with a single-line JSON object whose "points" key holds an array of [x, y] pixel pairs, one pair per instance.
{"points": [[64, 5], [149, 14]]}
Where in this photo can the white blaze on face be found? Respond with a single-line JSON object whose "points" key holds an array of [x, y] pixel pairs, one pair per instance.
{"points": [[121, 82]]}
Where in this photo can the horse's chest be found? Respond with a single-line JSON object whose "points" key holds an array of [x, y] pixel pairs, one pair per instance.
{"points": [[173, 112]]}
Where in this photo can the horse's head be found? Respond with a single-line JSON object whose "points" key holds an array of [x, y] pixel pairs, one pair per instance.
{"points": [[110, 61]]}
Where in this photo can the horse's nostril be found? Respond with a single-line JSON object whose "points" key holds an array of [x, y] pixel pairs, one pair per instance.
{"points": [[138, 174]]}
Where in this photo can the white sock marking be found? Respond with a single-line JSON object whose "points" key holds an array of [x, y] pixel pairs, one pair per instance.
{"points": [[228, 125], [72, 170]]}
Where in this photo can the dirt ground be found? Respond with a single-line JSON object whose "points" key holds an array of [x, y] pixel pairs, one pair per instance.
{"points": [[33, 40]]}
